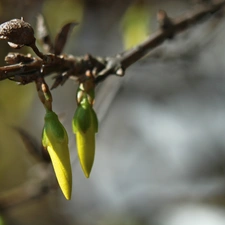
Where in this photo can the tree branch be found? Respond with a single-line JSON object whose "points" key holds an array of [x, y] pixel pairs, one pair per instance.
{"points": [[26, 69]]}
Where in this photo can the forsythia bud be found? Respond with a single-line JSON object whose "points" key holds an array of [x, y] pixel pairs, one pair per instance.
{"points": [[85, 125], [55, 139]]}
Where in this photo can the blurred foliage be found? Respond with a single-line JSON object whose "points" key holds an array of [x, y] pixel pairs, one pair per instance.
{"points": [[135, 23], [15, 102], [58, 12], [1, 221]]}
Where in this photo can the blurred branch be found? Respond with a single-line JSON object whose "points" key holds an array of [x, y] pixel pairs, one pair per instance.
{"points": [[32, 189], [26, 69], [43, 180]]}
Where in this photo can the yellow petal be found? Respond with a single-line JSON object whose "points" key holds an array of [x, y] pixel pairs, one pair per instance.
{"points": [[55, 139], [86, 150], [63, 173], [61, 163]]}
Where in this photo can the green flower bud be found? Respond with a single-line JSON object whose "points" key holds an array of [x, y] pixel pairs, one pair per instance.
{"points": [[85, 125], [55, 140]]}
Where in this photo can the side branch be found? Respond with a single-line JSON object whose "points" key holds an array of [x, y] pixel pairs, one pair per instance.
{"points": [[26, 69]]}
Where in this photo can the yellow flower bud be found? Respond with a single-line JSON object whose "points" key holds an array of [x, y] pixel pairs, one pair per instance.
{"points": [[85, 125], [55, 140]]}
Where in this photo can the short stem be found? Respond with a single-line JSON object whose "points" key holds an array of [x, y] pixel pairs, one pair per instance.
{"points": [[43, 93], [36, 50]]}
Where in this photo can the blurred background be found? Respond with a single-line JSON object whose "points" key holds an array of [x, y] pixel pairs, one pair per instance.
{"points": [[160, 151]]}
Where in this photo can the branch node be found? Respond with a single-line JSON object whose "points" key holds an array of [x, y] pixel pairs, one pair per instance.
{"points": [[120, 72], [164, 21]]}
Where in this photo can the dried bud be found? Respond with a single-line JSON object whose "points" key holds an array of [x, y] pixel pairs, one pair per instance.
{"points": [[17, 33]]}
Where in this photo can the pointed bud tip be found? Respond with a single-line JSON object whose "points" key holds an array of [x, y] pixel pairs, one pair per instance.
{"points": [[67, 195], [87, 175], [86, 168]]}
